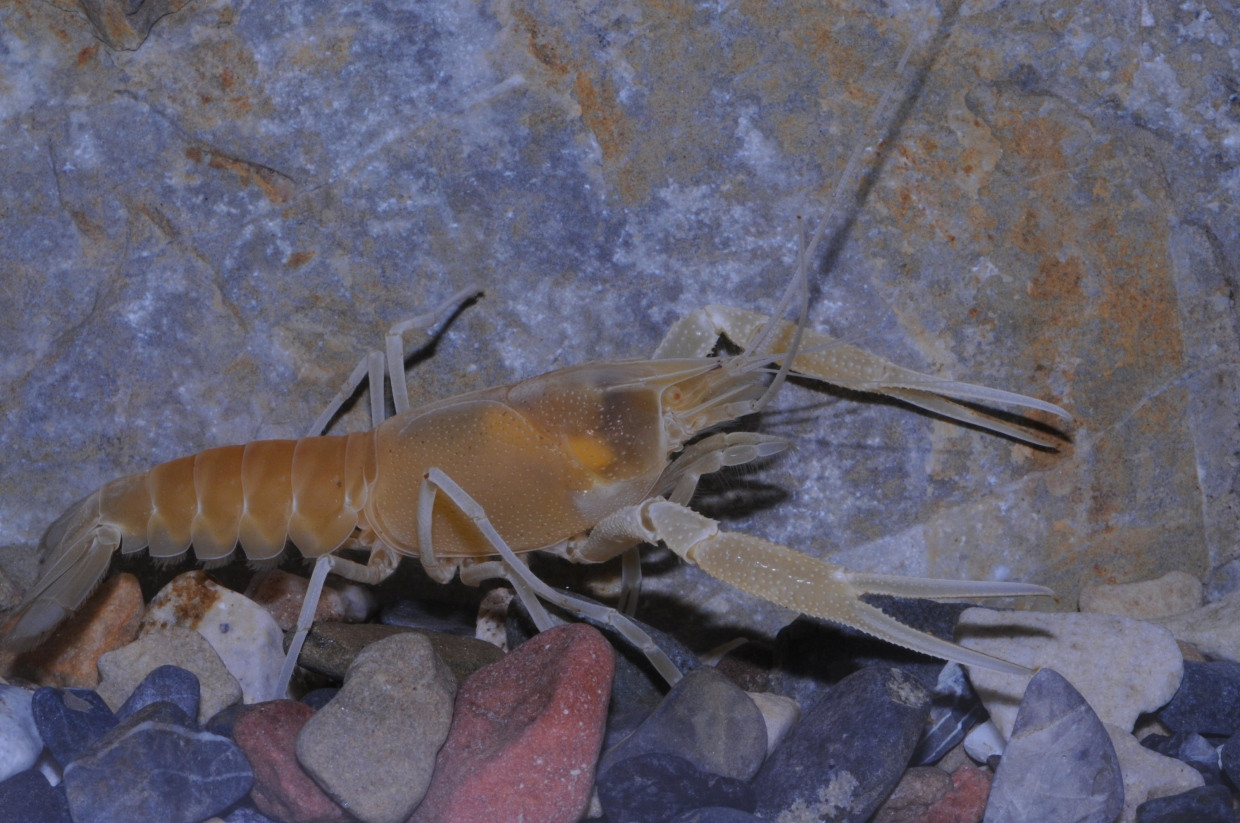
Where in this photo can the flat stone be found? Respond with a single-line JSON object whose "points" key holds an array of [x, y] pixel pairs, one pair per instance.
{"points": [[243, 634], [27, 797], [331, 648], [70, 721], [1208, 700], [705, 719], [267, 734], [1208, 804], [1148, 774], [919, 789], [526, 733], [170, 684], [1059, 765], [20, 743], [849, 750], [156, 766], [395, 707], [1175, 592], [1212, 629], [652, 788], [1123, 667], [70, 657], [124, 668]]}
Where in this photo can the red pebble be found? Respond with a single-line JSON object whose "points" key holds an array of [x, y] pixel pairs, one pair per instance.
{"points": [[526, 733], [966, 801], [267, 734]]}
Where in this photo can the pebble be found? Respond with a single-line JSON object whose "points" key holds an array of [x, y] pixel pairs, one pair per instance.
{"points": [[849, 750], [156, 766], [123, 669], [1123, 667], [282, 593], [27, 797], [931, 795], [1208, 804], [985, 743], [779, 713], [170, 684], [243, 634], [107, 620], [395, 707], [331, 647], [1191, 749], [1208, 701], [1148, 774], [1059, 765], [70, 721], [1229, 759], [439, 618], [715, 814], [20, 744], [267, 735], [1173, 593], [706, 719], [526, 733], [1212, 629], [954, 709], [653, 788]]}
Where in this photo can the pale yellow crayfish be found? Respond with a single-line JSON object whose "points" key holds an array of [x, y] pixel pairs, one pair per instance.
{"points": [[587, 462]]}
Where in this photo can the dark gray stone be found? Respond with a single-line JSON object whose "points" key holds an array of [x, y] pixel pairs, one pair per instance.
{"points": [[705, 719], [653, 788], [715, 814], [1059, 765], [849, 750], [27, 797], [954, 709], [156, 766], [70, 720], [164, 683], [1208, 804], [1189, 748], [1208, 700]]}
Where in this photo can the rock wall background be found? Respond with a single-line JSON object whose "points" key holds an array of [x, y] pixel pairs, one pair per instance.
{"points": [[204, 227]]}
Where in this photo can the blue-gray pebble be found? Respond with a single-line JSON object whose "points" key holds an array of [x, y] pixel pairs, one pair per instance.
{"points": [[1208, 700], [849, 750], [70, 720], [1207, 804], [27, 797], [156, 766], [170, 684], [654, 788]]}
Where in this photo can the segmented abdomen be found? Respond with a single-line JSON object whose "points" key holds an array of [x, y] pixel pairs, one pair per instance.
{"points": [[260, 495]]}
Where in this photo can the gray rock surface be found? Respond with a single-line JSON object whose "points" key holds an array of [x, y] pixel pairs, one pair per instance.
{"points": [[395, 707], [1060, 765], [202, 235]]}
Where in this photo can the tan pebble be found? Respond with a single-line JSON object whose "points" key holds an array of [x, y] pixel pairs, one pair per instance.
{"points": [[1173, 593]]}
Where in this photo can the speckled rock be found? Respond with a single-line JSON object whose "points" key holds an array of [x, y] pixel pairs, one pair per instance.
{"points": [[1212, 629], [282, 593], [1148, 774], [395, 706], [931, 795], [27, 797], [1122, 667], [267, 735], [156, 766], [243, 634], [1208, 700], [70, 721], [848, 751], [331, 647], [1060, 765], [652, 788], [107, 620], [20, 744], [123, 669], [170, 684], [526, 733], [705, 719], [1175, 592]]}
